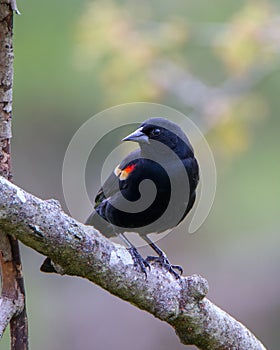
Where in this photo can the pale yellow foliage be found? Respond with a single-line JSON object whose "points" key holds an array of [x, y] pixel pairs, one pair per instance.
{"points": [[122, 52], [242, 44], [125, 49]]}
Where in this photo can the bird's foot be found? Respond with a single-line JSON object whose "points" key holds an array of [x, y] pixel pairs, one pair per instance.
{"points": [[138, 260], [162, 259]]}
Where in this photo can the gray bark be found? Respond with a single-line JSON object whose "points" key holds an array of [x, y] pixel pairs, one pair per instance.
{"points": [[12, 298], [82, 251]]}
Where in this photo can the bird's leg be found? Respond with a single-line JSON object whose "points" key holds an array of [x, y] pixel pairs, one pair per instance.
{"points": [[162, 259], [137, 258]]}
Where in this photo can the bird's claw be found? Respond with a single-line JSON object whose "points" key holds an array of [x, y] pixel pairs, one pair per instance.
{"points": [[162, 259], [139, 260]]}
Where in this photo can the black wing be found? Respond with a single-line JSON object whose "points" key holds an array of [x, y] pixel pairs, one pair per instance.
{"points": [[111, 186]]}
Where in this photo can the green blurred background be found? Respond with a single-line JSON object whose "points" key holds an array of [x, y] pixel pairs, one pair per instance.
{"points": [[217, 62]]}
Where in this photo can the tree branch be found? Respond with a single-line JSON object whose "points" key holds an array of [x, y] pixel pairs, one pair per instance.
{"points": [[12, 301], [82, 251]]}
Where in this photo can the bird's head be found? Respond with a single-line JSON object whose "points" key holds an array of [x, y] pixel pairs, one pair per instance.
{"points": [[164, 131]]}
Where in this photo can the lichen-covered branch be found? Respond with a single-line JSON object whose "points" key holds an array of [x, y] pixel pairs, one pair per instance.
{"points": [[82, 251]]}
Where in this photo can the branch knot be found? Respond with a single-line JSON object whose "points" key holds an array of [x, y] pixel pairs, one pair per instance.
{"points": [[194, 287]]}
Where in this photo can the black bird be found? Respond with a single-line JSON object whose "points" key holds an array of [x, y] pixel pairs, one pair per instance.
{"points": [[124, 204], [165, 157]]}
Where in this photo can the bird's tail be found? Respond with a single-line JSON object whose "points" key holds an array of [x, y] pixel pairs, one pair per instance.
{"points": [[100, 224], [48, 266]]}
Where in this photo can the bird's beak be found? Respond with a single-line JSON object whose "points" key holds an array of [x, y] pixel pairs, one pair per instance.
{"points": [[137, 136]]}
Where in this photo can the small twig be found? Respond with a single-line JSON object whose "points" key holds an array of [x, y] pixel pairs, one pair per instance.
{"points": [[14, 7]]}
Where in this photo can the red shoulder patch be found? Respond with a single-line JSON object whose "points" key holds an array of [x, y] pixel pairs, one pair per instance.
{"points": [[129, 168], [126, 171], [123, 174]]}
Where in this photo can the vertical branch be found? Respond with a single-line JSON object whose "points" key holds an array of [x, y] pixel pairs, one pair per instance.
{"points": [[6, 82], [18, 324], [12, 301]]}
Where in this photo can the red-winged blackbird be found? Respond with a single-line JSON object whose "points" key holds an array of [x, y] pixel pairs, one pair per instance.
{"points": [[124, 203], [166, 158]]}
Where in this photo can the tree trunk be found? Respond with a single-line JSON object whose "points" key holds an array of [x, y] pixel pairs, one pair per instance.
{"points": [[12, 301]]}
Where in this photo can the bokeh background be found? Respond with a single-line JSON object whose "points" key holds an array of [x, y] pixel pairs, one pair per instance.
{"points": [[217, 62]]}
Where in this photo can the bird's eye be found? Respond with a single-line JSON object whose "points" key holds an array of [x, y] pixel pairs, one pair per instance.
{"points": [[155, 132]]}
